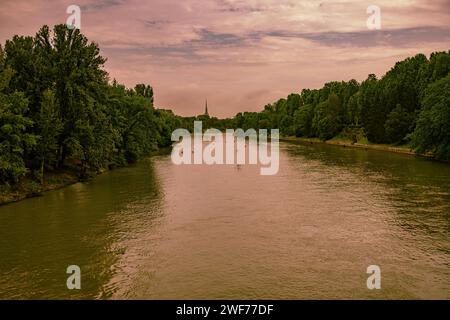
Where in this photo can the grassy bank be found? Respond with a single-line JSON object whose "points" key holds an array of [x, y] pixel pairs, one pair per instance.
{"points": [[403, 149]]}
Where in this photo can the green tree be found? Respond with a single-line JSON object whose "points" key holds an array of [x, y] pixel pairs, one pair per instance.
{"points": [[80, 81], [14, 138], [303, 118], [144, 91], [432, 133], [372, 114], [398, 124], [49, 127]]}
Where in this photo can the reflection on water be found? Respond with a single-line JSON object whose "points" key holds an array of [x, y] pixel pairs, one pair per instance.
{"points": [[418, 190], [79, 225], [162, 231]]}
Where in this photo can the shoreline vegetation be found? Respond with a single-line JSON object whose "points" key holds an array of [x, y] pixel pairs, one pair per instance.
{"points": [[63, 120], [29, 188], [401, 149]]}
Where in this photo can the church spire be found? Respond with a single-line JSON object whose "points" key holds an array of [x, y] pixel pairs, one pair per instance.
{"points": [[206, 108]]}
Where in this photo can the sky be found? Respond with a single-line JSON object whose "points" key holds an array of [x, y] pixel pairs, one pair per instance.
{"points": [[240, 54]]}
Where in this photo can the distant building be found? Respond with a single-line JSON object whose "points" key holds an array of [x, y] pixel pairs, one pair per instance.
{"points": [[206, 108]]}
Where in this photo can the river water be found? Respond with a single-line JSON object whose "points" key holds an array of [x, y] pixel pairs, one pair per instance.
{"points": [[157, 231]]}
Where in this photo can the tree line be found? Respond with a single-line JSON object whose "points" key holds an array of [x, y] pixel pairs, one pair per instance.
{"points": [[59, 108], [410, 105]]}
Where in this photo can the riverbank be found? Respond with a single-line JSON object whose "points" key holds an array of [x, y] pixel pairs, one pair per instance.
{"points": [[28, 187], [403, 149]]}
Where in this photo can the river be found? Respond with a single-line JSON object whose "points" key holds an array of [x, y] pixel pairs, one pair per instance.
{"points": [[157, 231]]}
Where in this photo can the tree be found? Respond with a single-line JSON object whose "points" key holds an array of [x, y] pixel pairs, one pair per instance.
{"points": [[136, 123], [327, 121], [14, 138], [398, 124], [76, 68], [21, 57], [53, 88], [372, 114], [432, 133], [144, 91], [303, 118], [293, 104], [49, 127], [353, 111]]}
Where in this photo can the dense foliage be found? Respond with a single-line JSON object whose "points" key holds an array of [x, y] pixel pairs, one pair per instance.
{"points": [[57, 108], [410, 104]]}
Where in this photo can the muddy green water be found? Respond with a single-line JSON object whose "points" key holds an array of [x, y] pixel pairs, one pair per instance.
{"points": [[156, 231]]}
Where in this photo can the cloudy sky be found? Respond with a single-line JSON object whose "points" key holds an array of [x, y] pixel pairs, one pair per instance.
{"points": [[240, 54]]}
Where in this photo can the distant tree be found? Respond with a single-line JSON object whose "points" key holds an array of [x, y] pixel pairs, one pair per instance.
{"points": [[287, 125], [303, 121], [353, 111], [372, 115], [144, 91], [327, 121], [293, 103]]}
